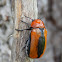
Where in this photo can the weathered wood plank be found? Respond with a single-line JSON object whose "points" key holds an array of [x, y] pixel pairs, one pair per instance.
{"points": [[19, 9]]}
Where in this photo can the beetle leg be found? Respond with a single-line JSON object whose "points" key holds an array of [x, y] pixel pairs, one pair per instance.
{"points": [[25, 45], [21, 29], [24, 22], [29, 18], [24, 29]]}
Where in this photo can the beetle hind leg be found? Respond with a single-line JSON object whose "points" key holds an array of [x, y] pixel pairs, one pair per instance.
{"points": [[25, 45]]}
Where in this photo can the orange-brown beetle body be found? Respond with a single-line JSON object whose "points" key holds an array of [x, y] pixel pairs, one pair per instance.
{"points": [[36, 44]]}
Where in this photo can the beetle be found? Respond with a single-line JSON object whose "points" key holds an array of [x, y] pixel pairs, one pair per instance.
{"points": [[36, 44]]}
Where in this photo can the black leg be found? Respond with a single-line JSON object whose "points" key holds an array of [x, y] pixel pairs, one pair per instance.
{"points": [[24, 22], [24, 29], [28, 17], [19, 30], [25, 45]]}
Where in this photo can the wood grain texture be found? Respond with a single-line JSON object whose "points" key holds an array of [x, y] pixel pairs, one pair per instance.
{"points": [[19, 9]]}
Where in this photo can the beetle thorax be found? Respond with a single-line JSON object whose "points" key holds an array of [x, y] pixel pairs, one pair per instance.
{"points": [[37, 24]]}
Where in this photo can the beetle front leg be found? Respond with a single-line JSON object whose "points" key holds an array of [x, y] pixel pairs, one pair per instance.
{"points": [[24, 22], [30, 28]]}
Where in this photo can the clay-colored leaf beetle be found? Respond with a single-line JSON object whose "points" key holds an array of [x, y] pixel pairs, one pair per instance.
{"points": [[36, 43]]}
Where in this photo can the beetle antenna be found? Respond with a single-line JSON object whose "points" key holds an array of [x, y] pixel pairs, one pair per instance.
{"points": [[42, 17]]}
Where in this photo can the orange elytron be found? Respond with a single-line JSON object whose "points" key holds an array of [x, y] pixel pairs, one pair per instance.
{"points": [[36, 44]]}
